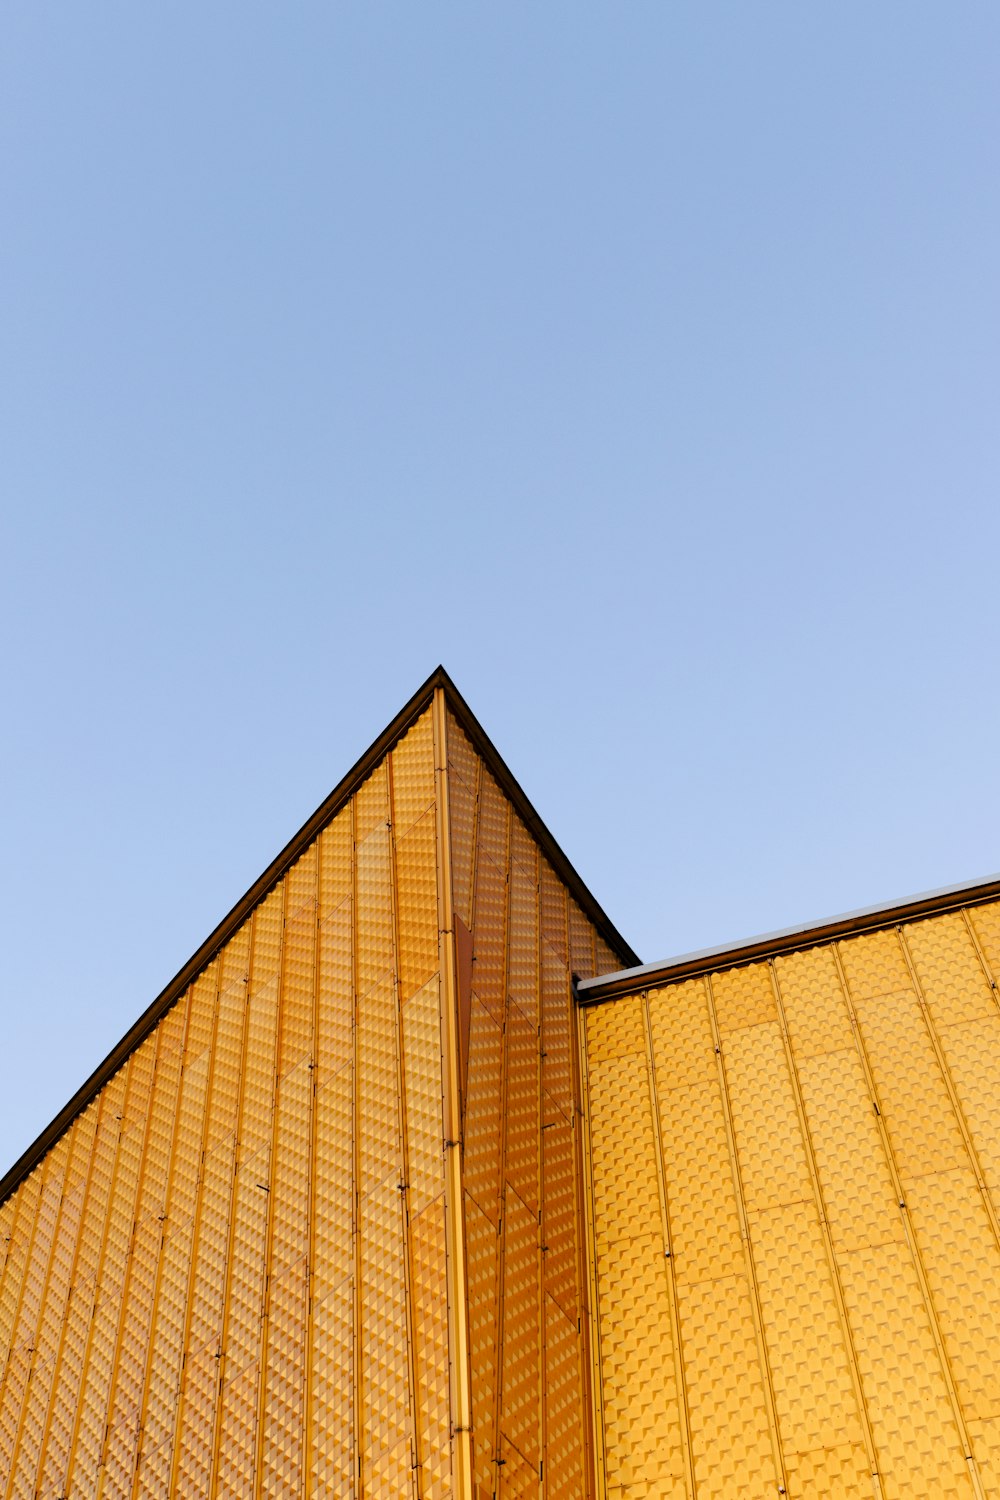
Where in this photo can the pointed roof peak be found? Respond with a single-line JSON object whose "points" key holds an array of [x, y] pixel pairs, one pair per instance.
{"points": [[337, 798]]}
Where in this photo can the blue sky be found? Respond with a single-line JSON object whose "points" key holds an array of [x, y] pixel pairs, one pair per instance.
{"points": [[641, 364]]}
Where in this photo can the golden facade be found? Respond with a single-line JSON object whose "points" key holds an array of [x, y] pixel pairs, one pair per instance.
{"points": [[798, 1284], [404, 1187]]}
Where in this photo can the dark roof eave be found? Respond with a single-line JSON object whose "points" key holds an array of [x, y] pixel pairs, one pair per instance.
{"points": [[788, 940]]}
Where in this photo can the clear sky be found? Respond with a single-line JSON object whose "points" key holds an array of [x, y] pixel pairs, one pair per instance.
{"points": [[640, 363]]}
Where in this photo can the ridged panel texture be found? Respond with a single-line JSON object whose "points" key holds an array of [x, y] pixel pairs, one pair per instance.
{"points": [[795, 1180], [227, 1278], [524, 1215]]}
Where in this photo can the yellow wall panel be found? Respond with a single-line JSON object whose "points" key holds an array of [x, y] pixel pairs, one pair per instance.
{"points": [[911, 1093], [816, 1013], [839, 1473], [962, 1260], [920, 1450], [416, 887], [565, 1438], [860, 1099], [228, 1276], [730, 1442], [430, 1336], [984, 926], [743, 997], [772, 1154], [623, 1159], [807, 1355], [973, 1056], [858, 1191], [946, 961], [483, 1120], [531, 1404], [521, 1334]]}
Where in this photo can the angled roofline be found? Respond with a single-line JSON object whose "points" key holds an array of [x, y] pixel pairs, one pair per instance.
{"points": [[300, 841], [787, 940], [543, 838]]}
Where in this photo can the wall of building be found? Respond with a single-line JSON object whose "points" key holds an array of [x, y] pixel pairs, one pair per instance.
{"points": [[796, 1221], [525, 1248], [227, 1278]]}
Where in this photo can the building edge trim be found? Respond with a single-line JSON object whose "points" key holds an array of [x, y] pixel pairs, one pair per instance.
{"points": [[787, 940], [420, 702]]}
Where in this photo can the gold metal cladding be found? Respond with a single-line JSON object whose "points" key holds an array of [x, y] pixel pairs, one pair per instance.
{"points": [[835, 1281], [816, 1137], [668, 1258], [522, 1163], [458, 1329], [727, 1110], [238, 1263], [596, 1403]]}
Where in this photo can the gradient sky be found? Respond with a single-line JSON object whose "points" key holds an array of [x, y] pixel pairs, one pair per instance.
{"points": [[640, 363]]}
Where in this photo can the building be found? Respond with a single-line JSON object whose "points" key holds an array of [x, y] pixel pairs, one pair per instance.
{"points": [[414, 1182]]}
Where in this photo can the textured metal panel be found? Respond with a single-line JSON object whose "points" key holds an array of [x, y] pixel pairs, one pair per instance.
{"points": [[413, 775], [912, 1096], [973, 1054], [483, 1248], [371, 803], [771, 1151], [561, 1244], [522, 960], [334, 1467], [463, 781], [838, 1473], [385, 1416], [28, 1449], [521, 1373], [948, 969], [522, 1109], [416, 877], [962, 1260], [421, 1027], [565, 1442], [183, 1278], [373, 917], [920, 1450], [858, 1190], [860, 1118], [430, 1298], [483, 1122], [524, 1210], [642, 1411], [704, 1219], [627, 1203], [380, 1147], [809, 1363], [730, 1444], [489, 929], [641, 1406], [283, 1393], [743, 997], [335, 958]]}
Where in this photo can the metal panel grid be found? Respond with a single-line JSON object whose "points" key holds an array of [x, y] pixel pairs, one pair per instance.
{"points": [[822, 1131], [228, 1276], [526, 1277]]}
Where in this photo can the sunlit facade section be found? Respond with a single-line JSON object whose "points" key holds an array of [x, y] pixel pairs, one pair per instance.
{"points": [[795, 1176], [227, 1277]]}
